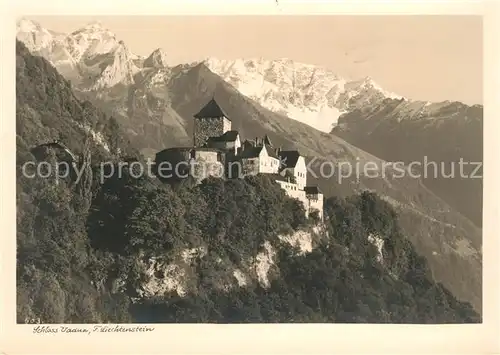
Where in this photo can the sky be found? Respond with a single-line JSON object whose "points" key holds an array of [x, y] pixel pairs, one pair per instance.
{"points": [[421, 57]]}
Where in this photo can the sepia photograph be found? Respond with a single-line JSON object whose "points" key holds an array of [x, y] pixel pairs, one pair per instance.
{"points": [[249, 169]]}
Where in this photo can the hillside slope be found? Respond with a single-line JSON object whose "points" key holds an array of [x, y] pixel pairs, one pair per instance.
{"points": [[443, 133], [425, 215], [113, 251], [156, 109]]}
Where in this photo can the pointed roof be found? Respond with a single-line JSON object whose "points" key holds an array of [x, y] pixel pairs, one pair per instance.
{"points": [[211, 110], [271, 152], [267, 140], [254, 151]]}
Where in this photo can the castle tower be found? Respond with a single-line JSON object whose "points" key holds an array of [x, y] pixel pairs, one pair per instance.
{"points": [[211, 121]]}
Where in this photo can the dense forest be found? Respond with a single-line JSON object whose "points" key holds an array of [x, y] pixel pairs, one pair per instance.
{"points": [[82, 265], [85, 247], [341, 280]]}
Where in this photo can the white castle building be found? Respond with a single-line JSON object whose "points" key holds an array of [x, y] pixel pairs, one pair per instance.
{"points": [[220, 147]]}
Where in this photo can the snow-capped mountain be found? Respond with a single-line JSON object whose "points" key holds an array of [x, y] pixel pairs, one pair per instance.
{"points": [[92, 56], [313, 95], [157, 59]]}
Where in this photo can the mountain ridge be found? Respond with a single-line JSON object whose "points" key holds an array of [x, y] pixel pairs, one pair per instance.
{"points": [[156, 114], [129, 250], [311, 107], [444, 134], [308, 93]]}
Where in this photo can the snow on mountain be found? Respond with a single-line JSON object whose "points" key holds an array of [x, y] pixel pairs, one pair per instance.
{"points": [[35, 37], [94, 59], [90, 56], [157, 59], [91, 41], [311, 94], [118, 67]]}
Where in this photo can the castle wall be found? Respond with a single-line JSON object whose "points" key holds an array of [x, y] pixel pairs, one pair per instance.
{"points": [[205, 164], [292, 190], [172, 164], [249, 166], [208, 156], [310, 204], [317, 204], [205, 128]]}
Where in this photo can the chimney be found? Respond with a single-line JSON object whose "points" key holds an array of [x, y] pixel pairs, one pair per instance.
{"points": [[278, 151]]}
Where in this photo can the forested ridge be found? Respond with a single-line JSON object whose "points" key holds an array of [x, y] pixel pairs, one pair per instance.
{"points": [[82, 246]]}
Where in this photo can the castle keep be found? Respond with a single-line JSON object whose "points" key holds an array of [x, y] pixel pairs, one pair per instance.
{"points": [[218, 151], [210, 122]]}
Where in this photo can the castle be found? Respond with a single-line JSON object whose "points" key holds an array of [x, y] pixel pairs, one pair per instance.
{"points": [[218, 151]]}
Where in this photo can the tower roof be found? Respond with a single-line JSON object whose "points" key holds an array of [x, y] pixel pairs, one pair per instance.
{"points": [[211, 110]]}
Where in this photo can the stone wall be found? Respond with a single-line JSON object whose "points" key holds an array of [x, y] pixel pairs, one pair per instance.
{"points": [[205, 128], [172, 164], [292, 190], [205, 164], [317, 204], [248, 166]]}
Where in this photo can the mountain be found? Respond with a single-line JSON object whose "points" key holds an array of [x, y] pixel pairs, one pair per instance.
{"points": [[155, 112], [125, 249], [94, 59], [310, 94], [429, 222], [48, 110], [157, 59], [53, 251], [442, 133], [90, 57], [101, 68]]}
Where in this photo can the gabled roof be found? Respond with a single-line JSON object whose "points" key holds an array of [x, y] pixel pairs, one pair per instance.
{"points": [[271, 152], [312, 190], [211, 110], [289, 158], [229, 136], [250, 152]]}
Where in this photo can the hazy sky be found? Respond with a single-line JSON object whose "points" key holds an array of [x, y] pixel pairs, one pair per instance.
{"points": [[432, 58]]}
